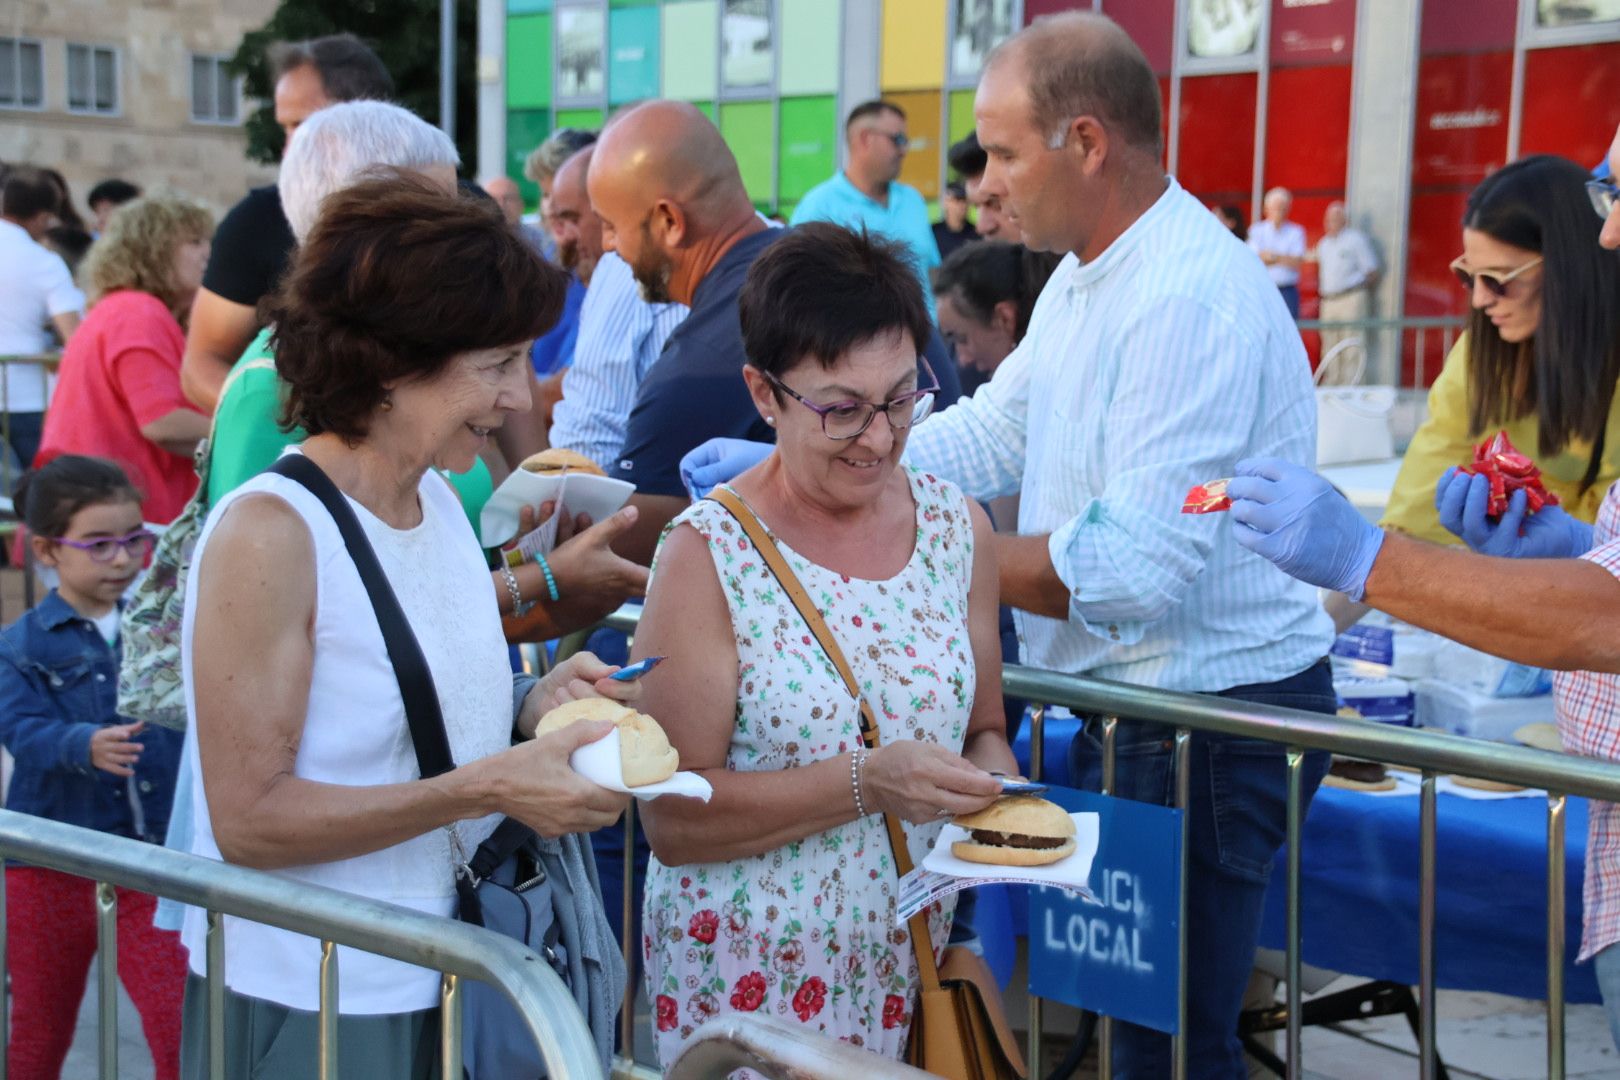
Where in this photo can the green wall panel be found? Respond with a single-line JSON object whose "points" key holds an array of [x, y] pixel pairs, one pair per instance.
{"points": [[632, 54], [525, 130], [528, 62], [809, 145], [750, 130], [691, 57], [961, 114], [583, 119], [707, 109], [810, 46]]}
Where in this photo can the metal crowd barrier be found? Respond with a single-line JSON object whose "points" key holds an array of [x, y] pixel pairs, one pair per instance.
{"points": [[778, 1050], [1388, 341], [1431, 753], [456, 950]]}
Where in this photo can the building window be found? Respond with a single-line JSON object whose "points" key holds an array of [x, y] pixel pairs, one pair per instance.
{"points": [[214, 91], [22, 76], [92, 82]]}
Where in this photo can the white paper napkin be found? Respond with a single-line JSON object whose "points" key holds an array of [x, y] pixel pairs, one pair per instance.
{"points": [[599, 763], [598, 496], [1072, 871]]}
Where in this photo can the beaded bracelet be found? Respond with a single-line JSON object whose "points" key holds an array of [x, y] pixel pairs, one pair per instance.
{"points": [[519, 608], [856, 760], [551, 582]]}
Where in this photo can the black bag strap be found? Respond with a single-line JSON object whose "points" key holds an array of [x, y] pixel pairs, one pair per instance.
{"points": [[416, 687]]}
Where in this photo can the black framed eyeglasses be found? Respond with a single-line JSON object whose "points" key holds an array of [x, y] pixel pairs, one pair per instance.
{"points": [[138, 545], [1604, 194], [845, 420], [1496, 283]]}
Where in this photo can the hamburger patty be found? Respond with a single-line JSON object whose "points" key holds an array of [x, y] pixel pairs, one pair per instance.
{"points": [[1017, 840]]}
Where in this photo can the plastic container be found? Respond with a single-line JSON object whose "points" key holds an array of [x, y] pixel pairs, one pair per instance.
{"points": [[1386, 701], [1463, 710]]}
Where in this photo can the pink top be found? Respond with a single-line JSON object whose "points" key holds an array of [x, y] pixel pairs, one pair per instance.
{"points": [[121, 371]]}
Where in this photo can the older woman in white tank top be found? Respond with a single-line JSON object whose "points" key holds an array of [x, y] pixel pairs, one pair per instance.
{"points": [[402, 335]]}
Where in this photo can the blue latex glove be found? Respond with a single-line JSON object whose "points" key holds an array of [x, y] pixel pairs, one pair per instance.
{"points": [[1550, 533], [1287, 514], [720, 460]]}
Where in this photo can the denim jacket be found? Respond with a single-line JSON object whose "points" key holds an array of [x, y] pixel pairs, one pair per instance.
{"points": [[58, 686]]}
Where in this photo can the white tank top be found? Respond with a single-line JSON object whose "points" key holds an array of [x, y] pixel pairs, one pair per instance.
{"points": [[355, 733]]}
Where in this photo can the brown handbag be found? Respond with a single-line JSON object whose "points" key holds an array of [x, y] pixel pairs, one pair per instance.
{"points": [[959, 1026]]}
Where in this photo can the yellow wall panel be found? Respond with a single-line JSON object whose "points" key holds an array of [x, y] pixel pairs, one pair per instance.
{"points": [[913, 54]]}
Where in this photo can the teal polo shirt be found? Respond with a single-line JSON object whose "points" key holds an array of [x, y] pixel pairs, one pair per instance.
{"points": [[904, 219]]}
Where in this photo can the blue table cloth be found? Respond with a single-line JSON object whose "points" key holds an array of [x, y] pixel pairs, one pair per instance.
{"points": [[1359, 887], [1359, 891]]}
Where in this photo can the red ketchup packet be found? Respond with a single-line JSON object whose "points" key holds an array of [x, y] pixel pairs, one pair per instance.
{"points": [[1508, 470], [1207, 498]]}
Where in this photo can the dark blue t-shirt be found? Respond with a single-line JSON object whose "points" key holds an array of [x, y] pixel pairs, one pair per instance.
{"points": [[695, 390]]}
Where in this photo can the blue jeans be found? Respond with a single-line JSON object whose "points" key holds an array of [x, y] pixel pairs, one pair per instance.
{"points": [[1606, 965], [1238, 821], [1290, 295]]}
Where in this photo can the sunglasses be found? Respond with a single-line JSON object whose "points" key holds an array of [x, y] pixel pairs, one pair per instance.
{"points": [[137, 545], [900, 140], [1496, 283], [1604, 194]]}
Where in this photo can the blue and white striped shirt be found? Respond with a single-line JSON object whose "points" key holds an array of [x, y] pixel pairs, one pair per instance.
{"points": [[620, 335], [1153, 368]]}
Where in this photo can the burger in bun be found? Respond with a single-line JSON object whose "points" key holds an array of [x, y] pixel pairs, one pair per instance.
{"points": [[1016, 830], [556, 461], [645, 756]]}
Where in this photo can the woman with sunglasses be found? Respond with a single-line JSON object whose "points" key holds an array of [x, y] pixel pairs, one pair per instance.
{"points": [[118, 394], [1540, 356], [779, 895], [79, 762]]}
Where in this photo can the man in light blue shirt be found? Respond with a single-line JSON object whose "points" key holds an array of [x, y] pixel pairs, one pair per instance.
{"points": [[620, 335], [1158, 355], [867, 191]]}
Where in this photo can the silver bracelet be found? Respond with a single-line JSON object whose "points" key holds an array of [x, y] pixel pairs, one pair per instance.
{"points": [[856, 760], [519, 608]]}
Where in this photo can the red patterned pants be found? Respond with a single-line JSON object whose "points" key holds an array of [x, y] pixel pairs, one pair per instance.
{"points": [[51, 936]]}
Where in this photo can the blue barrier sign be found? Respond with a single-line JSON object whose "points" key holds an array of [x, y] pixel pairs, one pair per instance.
{"points": [[1120, 958]]}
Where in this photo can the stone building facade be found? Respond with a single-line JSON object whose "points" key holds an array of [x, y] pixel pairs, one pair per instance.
{"points": [[129, 88]]}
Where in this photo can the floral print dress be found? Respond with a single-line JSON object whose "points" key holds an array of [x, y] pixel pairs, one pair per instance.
{"points": [[808, 932]]}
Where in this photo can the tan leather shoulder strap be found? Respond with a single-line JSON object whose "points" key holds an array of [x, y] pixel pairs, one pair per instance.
{"points": [[921, 941]]}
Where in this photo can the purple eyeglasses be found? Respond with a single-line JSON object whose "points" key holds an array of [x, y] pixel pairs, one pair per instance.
{"points": [[138, 545], [845, 420]]}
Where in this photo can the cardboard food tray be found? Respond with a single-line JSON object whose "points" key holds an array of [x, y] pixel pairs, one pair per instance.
{"points": [[586, 493]]}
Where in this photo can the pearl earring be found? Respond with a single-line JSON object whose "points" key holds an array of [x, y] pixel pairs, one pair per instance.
{"points": [[771, 420]]}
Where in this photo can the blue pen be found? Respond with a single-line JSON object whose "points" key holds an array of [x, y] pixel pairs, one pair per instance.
{"points": [[637, 669]]}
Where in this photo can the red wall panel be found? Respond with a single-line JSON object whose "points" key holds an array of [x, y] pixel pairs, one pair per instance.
{"points": [[1571, 101], [1217, 137], [1151, 24], [1451, 26], [1034, 9], [1323, 32], [1308, 129], [1462, 118]]}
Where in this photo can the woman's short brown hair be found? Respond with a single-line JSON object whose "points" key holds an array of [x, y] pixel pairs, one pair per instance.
{"points": [[396, 278]]}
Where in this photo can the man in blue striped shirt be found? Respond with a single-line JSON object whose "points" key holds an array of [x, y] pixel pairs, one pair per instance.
{"points": [[1158, 355]]}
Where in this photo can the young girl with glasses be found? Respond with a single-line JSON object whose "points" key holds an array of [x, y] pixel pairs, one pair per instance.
{"points": [[78, 762]]}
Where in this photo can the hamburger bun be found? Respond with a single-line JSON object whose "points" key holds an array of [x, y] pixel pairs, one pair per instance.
{"points": [[1350, 784], [1479, 783], [559, 461], [645, 756], [1016, 830], [1540, 735]]}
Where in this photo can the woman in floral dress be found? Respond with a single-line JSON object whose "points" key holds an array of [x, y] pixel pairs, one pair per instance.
{"points": [[779, 895]]}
